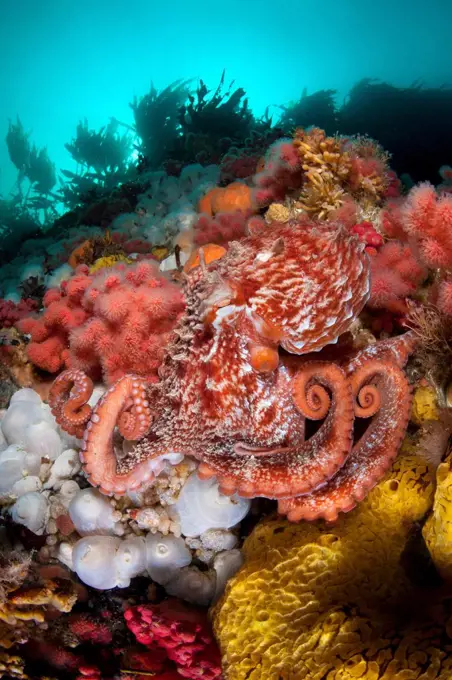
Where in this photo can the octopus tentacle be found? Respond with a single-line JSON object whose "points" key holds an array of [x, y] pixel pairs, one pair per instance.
{"points": [[68, 401], [124, 405], [134, 420], [285, 472], [396, 350], [368, 398], [311, 399], [371, 456]]}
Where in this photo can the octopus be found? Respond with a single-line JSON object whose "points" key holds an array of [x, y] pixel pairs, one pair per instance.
{"points": [[247, 388]]}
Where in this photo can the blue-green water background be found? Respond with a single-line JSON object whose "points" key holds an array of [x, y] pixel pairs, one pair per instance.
{"points": [[63, 60]]}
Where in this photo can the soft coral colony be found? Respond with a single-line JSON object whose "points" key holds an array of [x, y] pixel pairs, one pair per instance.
{"points": [[261, 352]]}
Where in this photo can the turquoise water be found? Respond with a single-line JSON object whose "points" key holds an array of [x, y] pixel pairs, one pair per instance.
{"points": [[62, 61]]}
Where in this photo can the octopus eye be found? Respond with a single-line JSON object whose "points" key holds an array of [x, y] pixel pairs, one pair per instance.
{"points": [[264, 359]]}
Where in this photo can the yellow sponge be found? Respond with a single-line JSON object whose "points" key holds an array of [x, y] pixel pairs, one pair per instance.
{"points": [[425, 405], [108, 261], [336, 602]]}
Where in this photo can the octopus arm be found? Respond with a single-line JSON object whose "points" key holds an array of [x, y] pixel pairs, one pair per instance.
{"points": [[68, 399], [396, 350], [282, 472], [123, 405], [372, 455]]}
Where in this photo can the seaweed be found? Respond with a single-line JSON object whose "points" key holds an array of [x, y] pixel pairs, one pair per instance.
{"points": [[18, 144], [225, 114], [210, 123], [412, 123], [317, 109], [17, 223], [32, 163], [106, 151], [157, 123], [103, 160]]}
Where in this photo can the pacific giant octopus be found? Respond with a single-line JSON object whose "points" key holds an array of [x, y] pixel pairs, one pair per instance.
{"points": [[233, 395]]}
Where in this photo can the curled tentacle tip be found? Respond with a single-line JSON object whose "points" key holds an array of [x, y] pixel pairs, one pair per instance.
{"points": [[309, 388], [369, 401], [313, 402]]}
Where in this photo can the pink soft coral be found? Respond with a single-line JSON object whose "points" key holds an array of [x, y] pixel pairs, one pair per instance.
{"points": [[367, 233], [238, 165], [53, 654], [282, 172], [444, 297], [11, 312], [221, 228], [392, 219], [427, 217], [395, 274], [394, 187], [114, 322], [183, 632], [49, 349], [423, 224], [89, 629]]}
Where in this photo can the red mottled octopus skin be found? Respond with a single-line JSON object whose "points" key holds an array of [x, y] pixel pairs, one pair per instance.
{"points": [[229, 398]]}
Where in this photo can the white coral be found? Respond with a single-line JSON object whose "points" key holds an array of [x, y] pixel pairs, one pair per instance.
{"points": [[67, 465], [105, 562], [42, 439], [130, 559], [193, 585], [226, 564], [93, 560], [16, 463], [25, 409]]}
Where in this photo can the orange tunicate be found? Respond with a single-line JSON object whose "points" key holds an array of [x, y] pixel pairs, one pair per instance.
{"points": [[235, 196], [211, 252], [260, 164], [77, 255], [205, 204]]}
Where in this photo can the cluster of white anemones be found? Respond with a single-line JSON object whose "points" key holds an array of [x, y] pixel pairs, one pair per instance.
{"points": [[164, 531], [36, 459], [166, 207]]}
